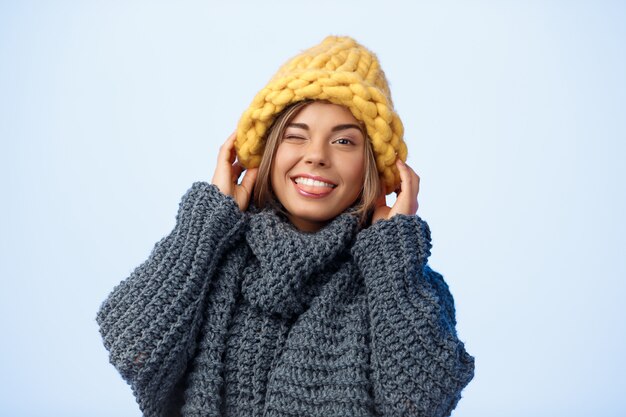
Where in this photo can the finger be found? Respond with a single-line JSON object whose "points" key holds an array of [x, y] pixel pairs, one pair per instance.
{"points": [[406, 202], [405, 175], [381, 200], [415, 180], [249, 179], [227, 150], [417, 184], [399, 166], [225, 159], [235, 171], [416, 189]]}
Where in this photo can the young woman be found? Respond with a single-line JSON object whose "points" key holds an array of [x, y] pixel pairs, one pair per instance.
{"points": [[296, 292]]}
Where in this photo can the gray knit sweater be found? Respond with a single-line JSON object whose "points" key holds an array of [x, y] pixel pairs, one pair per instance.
{"points": [[240, 314]]}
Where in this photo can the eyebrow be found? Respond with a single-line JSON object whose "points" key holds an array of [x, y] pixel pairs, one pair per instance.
{"points": [[334, 129]]}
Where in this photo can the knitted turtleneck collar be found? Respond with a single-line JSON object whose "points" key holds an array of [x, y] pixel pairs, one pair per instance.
{"points": [[290, 259]]}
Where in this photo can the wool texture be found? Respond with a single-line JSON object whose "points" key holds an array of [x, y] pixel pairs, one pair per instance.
{"points": [[339, 70], [240, 314]]}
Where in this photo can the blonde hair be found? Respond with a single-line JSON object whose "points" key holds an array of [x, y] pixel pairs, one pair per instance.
{"points": [[264, 195]]}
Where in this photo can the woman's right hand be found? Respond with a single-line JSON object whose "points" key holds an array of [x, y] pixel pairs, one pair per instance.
{"points": [[227, 173]]}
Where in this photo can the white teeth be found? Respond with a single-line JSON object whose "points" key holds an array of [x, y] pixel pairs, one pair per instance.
{"points": [[311, 182]]}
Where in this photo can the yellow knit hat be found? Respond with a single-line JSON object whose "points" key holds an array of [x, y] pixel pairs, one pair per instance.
{"points": [[338, 70]]}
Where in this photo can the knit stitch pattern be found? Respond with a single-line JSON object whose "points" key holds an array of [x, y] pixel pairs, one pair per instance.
{"points": [[341, 71], [241, 314]]}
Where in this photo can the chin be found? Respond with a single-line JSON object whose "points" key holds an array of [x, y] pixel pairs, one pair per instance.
{"points": [[313, 216], [310, 216]]}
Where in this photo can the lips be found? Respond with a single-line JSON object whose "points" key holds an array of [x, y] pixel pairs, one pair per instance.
{"points": [[313, 186]]}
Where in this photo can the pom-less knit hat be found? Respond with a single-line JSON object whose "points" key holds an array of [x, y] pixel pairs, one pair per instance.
{"points": [[343, 72]]}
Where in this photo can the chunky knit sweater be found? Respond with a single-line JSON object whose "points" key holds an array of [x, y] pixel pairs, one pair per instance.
{"points": [[240, 314]]}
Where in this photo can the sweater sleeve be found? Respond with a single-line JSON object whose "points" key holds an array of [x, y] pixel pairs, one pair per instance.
{"points": [[151, 319], [419, 365]]}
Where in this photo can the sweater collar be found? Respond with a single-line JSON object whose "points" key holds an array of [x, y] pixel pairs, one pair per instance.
{"points": [[289, 260]]}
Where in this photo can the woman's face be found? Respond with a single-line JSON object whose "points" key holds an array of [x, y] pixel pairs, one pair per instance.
{"points": [[319, 167]]}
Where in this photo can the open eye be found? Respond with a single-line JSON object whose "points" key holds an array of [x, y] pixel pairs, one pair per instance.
{"points": [[344, 141]]}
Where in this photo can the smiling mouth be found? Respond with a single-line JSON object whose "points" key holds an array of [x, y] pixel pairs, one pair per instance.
{"points": [[313, 183], [312, 188]]}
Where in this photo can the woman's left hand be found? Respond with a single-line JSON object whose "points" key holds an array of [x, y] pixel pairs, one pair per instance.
{"points": [[406, 201]]}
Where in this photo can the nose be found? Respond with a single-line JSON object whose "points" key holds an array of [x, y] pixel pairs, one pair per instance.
{"points": [[316, 153]]}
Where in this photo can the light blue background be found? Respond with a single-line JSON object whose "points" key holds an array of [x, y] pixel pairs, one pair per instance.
{"points": [[515, 121]]}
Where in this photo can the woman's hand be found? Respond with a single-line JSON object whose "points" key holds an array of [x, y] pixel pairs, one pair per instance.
{"points": [[406, 201], [227, 173]]}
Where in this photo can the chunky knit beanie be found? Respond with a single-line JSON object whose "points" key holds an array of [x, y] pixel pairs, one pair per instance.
{"points": [[343, 72]]}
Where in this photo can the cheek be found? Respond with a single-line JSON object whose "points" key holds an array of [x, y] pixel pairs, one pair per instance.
{"points": [[280, 166], [354, 171], [274, 178]]}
